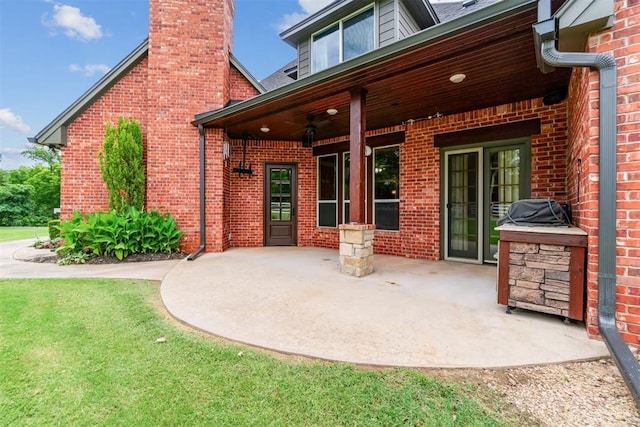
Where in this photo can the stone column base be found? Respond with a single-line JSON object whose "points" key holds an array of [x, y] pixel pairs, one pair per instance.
{"points": [[356, 249]]}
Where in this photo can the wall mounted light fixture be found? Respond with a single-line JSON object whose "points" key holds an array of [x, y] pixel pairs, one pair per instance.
{"points": [[225, 149]]}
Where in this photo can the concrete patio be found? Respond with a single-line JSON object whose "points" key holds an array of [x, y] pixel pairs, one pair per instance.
{"points": [[407, 313], [295, 300]]}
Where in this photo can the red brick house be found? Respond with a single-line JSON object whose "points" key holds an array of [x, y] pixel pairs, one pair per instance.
{"points": [[424, 120]]}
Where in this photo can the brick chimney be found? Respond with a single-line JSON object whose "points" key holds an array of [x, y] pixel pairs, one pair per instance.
{"points": [[189, 45]]}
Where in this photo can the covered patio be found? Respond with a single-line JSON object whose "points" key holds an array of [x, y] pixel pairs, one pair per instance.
{"points": [[406, 313]]}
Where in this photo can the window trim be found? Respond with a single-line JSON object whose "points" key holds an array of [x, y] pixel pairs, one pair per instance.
{"points": [[340, 24]]}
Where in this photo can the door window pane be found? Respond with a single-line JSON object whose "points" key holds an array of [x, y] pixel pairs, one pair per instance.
{"points": [[280, 209], [462, 206], [504, 189]]}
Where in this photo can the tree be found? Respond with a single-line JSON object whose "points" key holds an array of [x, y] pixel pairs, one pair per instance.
{"points": [[46, 184], [122, 164], [50, 157], [28, 195], [16, 205]]}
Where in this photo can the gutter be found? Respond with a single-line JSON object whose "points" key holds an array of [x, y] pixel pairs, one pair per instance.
{"points": [[545, 33], [203, 234]]}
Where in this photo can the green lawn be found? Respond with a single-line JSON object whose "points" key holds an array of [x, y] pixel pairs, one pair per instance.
{"points": [[8, 234], [84, 352]]}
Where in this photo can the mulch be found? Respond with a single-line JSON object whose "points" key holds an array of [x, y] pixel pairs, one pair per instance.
{"points": [[49, 258]]}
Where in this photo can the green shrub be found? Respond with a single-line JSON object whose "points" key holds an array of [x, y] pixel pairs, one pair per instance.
{"points": [[122, 165], [119, 234], [54, 229]]}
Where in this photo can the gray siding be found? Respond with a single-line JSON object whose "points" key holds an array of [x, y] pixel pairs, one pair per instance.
{"points": [[304, 59], [406, 24], [386, 20]]}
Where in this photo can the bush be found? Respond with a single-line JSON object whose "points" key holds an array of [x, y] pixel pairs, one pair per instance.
{"points": [[17, 207], [119, 234], [122, 165], [54, 229]]}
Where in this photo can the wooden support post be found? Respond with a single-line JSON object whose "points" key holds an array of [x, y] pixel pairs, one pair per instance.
{"points": [[357, 125]]}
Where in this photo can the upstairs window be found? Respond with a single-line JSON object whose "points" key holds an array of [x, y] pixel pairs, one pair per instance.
{"points": [[344, 40]]}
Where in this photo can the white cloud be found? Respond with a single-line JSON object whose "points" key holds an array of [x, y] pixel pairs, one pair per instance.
{"points": [[89, 70], [74, 23], [12, 158], [308, 7], [312, 6], [12, 121], [289, 20]]}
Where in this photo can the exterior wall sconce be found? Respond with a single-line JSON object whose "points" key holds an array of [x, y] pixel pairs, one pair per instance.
{"points": [[225, 150], [367, 150], [264, 128], [457, 78]]}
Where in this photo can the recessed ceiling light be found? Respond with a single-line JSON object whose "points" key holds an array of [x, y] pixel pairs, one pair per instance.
{"points": [[457, 78]]}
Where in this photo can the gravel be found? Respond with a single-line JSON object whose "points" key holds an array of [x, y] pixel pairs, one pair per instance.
{"points": [[577, 394], [572, 394]]}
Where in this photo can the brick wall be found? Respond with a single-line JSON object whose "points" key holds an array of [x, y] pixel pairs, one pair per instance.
{"points": [[176, 81], [189, 44], [246, 192], [240, 88], [419, 235], [623, 43], [81, 185]]}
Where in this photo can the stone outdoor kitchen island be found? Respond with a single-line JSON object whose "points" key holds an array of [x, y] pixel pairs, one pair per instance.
{"points": [[542, 269]]}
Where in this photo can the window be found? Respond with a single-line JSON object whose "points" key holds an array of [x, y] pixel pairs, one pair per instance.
{"points": [[382, 186], [327, 191], [342, 41], [386, 184], [357, 37], [326, 50]]}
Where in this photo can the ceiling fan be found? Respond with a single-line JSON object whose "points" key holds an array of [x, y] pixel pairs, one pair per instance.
{"points": [[310, 130]]}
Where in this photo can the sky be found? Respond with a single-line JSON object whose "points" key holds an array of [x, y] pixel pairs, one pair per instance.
{"points": [[51, 52]]}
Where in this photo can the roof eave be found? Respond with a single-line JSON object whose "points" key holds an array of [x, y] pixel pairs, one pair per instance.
{"points": [[55, 133], [425, 37], [292, 35]]}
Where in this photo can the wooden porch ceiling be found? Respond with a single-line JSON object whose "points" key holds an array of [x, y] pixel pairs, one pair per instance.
{"points": [[498, 59]]}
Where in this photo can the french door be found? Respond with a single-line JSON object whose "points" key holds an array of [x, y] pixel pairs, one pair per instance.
{"points": [[280, 205], [480, 185]]}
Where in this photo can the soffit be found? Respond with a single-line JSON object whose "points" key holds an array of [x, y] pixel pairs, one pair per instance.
{"points": [[498, 59]]}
